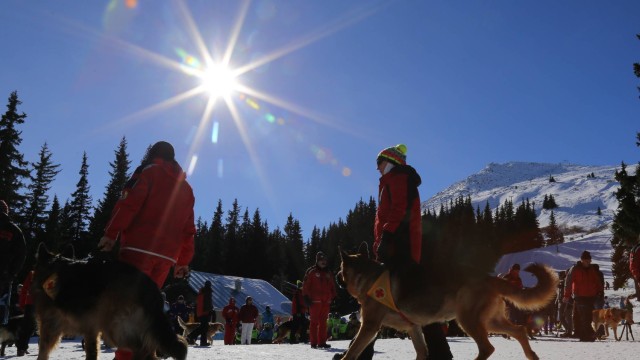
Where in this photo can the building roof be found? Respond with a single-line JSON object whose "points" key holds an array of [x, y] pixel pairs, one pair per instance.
{"points": [[225, 287]]}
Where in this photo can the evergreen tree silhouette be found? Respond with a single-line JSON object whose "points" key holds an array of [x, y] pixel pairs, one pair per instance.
{"points": [[13, 168]]}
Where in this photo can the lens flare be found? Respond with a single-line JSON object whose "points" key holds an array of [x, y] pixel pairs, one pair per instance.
{"points": [[220, 168], [214, 132], [192, 164]]}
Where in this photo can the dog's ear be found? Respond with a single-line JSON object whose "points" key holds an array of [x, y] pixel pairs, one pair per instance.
{"points": [[364, 249], [42, 253], [343, 254]]}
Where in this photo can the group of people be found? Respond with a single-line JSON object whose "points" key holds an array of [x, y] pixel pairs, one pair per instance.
{"points": [[154, 224]]}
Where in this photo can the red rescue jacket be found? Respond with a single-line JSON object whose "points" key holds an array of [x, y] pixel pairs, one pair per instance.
{"points": [[230, 313], [634, 262], [318, 285], [155, 213], [297, 303], [25, 295], [399, 209], [583, 281]]}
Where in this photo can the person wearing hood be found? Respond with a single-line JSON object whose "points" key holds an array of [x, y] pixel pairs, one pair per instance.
{"points": [[398, 232], [12, 256], [398, 227], [153, 219]]}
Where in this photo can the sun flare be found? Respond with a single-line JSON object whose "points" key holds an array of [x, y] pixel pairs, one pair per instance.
{"points": [[219, 81]]}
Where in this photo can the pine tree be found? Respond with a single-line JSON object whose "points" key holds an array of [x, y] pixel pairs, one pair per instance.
{"points": [[553, 232], [44, 172], [13, 168], [626, 223], [80, 210], [52, 235], [215, 251], [119, 174], [230, 244], [294, 247]]}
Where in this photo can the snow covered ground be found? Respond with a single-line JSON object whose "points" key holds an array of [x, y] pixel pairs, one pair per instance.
{"points": [[546, 347]]}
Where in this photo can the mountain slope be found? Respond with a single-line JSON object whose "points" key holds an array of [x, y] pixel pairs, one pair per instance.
{"points": [[577, 195]]}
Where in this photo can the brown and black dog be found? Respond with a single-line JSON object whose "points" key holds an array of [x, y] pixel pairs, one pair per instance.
{"points": [[284, 330], [420, 298], [9, 333], [188, 328], [109, 298], [611, 317]]}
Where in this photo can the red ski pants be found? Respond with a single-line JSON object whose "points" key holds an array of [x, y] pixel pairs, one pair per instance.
{"points": [[319, 313]]}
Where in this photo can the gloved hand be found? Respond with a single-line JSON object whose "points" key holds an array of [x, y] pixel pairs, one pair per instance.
{"points": [[180, 271], [385, 249], [106, 243]]}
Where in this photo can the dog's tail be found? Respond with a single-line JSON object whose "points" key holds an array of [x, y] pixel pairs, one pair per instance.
{"points": [[533, 298], [167, 342]]}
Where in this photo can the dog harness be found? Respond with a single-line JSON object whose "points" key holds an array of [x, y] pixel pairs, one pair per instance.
{"points": [[381, 292]]}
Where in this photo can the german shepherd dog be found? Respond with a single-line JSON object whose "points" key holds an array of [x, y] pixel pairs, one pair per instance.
{"points": [[611, 317], [9, 333], [107, 298], [422, 298], [285, 329], [188, 328]]}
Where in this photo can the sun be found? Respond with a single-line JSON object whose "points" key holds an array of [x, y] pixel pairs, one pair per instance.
{"points": [[218, 80]]}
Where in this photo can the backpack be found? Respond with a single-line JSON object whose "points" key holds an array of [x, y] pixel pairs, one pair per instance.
{"points": [[634, 261]]}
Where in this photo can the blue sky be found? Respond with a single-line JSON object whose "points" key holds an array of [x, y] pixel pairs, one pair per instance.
{"points": [[328, 85]]}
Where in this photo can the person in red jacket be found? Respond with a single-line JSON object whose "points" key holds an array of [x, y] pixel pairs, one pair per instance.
{"points": [[318, 290], [28, 323], [398, 227], [248, 315], [583, 283], [516, 316], [298, 316], [634, 266], [230, 315], [154, 219], [204, 310]]}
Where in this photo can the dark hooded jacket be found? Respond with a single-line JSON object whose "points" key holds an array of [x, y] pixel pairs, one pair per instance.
{"points": [[12, 248]]}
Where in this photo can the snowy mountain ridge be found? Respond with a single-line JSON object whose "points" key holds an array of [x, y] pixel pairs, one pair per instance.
{"points": [[577, 194]]}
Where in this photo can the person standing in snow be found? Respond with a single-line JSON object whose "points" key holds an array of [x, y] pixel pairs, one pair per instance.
{"points": [[153, 219], [204, 310], [248, 315], [398, 237], [12, 255], [318, 290], [398, 227], [634, 267], [584, 284], [298, 316], [230, 315], [513, 277]]}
